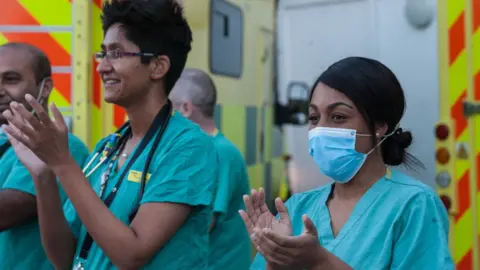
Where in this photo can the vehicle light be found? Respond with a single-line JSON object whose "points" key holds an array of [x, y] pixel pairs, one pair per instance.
{"points": [[443, 179], [442, 155], [442, 132], [446, 201]]}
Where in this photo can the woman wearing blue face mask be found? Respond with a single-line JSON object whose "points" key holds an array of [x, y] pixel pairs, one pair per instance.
{"points": [[370, 216]]}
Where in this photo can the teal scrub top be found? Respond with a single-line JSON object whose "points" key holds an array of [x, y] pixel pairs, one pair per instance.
{"points": [[230, 246], [21, 247], [399, 223], [183, 170]]}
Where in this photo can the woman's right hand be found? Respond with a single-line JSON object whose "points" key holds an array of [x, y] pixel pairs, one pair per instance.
{"points": [[258, 217]]}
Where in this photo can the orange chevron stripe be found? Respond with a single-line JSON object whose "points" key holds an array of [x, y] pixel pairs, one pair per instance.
{"points": [[476, 14], [456, 38], [63, 83], [457, 115], [118, 116], [463, 194], [16, 14], [466, 262], [57, 55]]}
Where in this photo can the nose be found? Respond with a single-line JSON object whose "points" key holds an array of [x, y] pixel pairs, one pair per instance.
{"points": [[104, 66]]}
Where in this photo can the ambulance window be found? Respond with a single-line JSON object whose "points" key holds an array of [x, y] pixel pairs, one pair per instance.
{"points": [[226, 39]]}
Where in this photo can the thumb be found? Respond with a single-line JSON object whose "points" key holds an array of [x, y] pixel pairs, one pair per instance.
{"points": [[309, 226]]}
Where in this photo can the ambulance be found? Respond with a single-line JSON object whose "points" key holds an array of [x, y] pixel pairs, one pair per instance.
{"points": [[233, 42]]}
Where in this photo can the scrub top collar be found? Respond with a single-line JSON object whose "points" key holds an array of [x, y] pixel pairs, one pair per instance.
{"points": [[325, 232]]}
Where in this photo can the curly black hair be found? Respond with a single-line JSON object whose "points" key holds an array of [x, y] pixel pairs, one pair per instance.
{"points": [[155, 26]]}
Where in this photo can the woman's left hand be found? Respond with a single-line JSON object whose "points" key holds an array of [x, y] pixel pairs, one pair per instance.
{"points": [[47, 139], [291, 252]]}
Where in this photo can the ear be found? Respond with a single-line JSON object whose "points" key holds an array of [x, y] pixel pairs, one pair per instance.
{"points": [[381, 129], [187, 109], [159, 66]]}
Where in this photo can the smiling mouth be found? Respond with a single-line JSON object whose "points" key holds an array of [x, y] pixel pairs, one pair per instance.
{"points": [[110, 82]]}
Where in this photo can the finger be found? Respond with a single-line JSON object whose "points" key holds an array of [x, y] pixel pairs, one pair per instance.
{"points": [[255, 205], [41, 113], [284, 241], [27, 117], [247, 221], [250, 210], [57, 115], [271, 251], [257, 202], [17, 122], [282, 211], [14, 133], [309, 226]]}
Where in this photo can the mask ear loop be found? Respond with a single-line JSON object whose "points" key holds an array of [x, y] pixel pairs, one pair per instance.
{"points": [[40, 98], [384, 138]]}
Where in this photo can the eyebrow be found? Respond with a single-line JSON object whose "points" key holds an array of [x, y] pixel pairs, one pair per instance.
{"points": [[110, 46], [331, 106]]}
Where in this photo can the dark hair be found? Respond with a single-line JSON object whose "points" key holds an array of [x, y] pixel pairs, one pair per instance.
{"points": [[39, 61], [379, 97], [155, 26]]}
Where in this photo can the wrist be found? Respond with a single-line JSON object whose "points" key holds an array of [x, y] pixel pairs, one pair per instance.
{"points": [[43, 175], [65, 167]]}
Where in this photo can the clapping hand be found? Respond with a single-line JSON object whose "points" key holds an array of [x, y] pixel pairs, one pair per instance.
{"points": [[47, 139]]}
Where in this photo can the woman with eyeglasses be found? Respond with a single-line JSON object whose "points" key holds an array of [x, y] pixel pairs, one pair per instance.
{"points": [[371, 216], [142, 201]]}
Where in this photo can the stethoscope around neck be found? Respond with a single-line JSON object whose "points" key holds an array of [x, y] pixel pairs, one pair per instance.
{"points": [[115, 141]]}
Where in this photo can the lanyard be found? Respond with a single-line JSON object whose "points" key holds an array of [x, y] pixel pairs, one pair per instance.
{"points": [[159, 123]]}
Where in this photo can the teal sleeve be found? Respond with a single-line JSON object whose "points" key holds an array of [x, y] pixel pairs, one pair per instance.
{"points": [[186, 173], [259, 262], [422, 241], [226, 181], [20, 178]]}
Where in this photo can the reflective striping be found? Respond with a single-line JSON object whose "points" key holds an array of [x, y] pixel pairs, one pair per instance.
{"points": [[466, 262], [457, 92], [251, 134], [457, 38], [217, 116], [56, 53], [61, 15]]}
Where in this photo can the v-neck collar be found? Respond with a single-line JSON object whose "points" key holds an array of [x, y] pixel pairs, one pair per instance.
{"points": [[326, 236]]}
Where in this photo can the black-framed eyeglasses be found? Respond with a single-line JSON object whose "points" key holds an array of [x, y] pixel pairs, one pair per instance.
{"points": [[113, 55]]}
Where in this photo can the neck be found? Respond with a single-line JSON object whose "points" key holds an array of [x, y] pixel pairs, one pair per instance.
{"points": [[208, 125], [142, 113], [372, 170]]}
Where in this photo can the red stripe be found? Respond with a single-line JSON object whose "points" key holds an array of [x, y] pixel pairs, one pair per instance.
{"points": [[466, 262], [457, 115], [118, 116], [476, 15], [463, 194], [63, 82], [456, 38], [15, 14]]}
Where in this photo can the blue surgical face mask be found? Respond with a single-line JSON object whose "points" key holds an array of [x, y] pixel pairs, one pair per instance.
{"points": [[333, 150]]}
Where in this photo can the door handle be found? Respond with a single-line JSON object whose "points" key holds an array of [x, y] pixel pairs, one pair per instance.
{"points": [[471, 108]]}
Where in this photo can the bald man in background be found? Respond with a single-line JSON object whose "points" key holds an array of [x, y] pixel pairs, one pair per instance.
{"points": [[195, 97]]}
